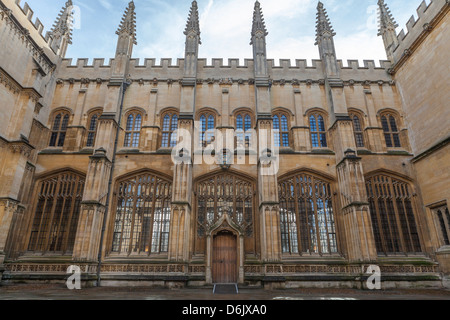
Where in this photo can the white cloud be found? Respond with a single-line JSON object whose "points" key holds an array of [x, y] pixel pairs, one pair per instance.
{"points": [[106, 4]]}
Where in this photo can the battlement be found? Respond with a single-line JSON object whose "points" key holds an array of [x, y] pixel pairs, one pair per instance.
{"points": [[426, 14], [236, 70], [28, 13], [218, 63]]}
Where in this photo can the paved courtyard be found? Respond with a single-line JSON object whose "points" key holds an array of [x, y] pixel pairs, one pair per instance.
{"points": [[58, 292]]}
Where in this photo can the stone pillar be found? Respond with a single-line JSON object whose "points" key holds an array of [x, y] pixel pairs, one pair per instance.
{"points": [[87, 241], [180, 225], [88, 232], [355, 213], [268, 196], [360, 241], [7, 209], [16, 236]]}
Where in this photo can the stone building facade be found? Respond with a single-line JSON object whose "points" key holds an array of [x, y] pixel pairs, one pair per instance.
{"points": [[97, 170]]}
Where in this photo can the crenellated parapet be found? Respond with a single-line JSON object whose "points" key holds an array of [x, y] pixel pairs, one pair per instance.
{"points": [[428, 16], [232, 72], [20, 17]]}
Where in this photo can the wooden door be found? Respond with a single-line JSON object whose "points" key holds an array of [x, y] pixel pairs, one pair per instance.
{"points": [[224, 264]]}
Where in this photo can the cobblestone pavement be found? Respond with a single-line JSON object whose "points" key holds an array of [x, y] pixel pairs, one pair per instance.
{"points": [[58, 292]]}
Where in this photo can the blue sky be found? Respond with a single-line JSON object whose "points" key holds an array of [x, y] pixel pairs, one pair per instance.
{"points": [[226, 26]]}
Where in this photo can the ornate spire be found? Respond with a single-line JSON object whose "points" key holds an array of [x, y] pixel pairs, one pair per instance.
{"points": [[386, 20], [259, 26], [61, 32], [193, 24], [323, 26], [128, 24], [64, 22]]}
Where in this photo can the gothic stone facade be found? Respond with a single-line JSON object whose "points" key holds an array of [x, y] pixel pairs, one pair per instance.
{"points": [[87, 176]]}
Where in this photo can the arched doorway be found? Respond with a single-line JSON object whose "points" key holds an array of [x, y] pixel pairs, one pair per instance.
{"points": [[225, 225], [224, 258]]}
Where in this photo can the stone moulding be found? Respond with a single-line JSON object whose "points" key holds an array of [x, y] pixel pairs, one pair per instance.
{"points": [[193, 268]]}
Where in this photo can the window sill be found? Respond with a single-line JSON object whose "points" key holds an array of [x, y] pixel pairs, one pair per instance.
{"points": [[128, 150], [136, 257], [398, 151], [314, 258], [52, 150], [322, 151]]}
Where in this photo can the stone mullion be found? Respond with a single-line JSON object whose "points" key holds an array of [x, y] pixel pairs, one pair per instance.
{"points": [[52, 213], [297, 214], [316, 216], [396, 216], [123, 221], [61, 219], [326, 219], [378, 216], [143, 198], [72, 207], [133, 219], [152, 215], [407, 223], [388, 218]]}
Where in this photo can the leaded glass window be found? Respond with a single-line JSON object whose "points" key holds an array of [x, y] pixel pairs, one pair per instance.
{"points": [[143, 212], [393, 219], [442, 216], [357, 130], [243, 130], [281, 129], [207, 129], [318, 132], [306, 215], [92, 129], [169, 127], [56, 213], [133, 130], [391, 132], [59, 129]]}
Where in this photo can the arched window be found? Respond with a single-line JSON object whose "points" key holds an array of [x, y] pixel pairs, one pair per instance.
{"points": [[306, 215], [357, 130], [225, 193], [169, 126], [443, 221], [393, 220], [143, 213], [281, 129], [59, 128], [207, 129], [391, 133], [92, 129], [318, 132], [243, 130], [56, 213], [133, 130]]}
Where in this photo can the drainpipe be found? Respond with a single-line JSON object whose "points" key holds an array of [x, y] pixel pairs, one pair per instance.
{"points": [[111, 175]]}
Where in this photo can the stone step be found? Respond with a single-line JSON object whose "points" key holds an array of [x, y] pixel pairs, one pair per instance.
{"points": [[226, 288]]}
